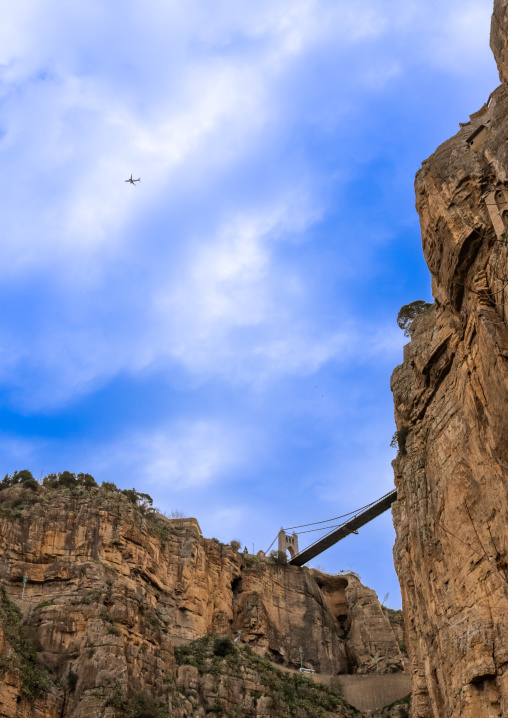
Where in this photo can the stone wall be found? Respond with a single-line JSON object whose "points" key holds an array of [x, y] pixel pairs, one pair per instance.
{"points": [[370, 693]]}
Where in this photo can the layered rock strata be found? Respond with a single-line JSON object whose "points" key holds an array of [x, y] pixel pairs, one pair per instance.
{"points": [[451, 399], [107, 593]]}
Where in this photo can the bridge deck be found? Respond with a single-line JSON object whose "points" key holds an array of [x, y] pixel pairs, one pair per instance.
{"points": [[348, 527]]}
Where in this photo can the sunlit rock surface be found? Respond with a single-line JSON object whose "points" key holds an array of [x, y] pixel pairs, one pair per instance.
{"points": [[111, 593], [451, 408]]}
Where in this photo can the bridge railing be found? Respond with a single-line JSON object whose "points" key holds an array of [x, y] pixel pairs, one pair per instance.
{"points": [[353, 523]]}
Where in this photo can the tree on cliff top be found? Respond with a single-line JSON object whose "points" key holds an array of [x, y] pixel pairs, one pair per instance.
{"points": [[68, 480], [23, 477], [408, 314]]}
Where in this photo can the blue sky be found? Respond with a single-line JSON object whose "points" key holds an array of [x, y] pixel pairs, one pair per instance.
{"points": [[222, 335]]}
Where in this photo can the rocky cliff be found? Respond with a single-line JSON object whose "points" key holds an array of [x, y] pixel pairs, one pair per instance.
{"points": [[109, 609], [451, 399]]}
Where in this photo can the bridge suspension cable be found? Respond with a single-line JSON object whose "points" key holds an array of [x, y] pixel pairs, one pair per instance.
{"points": [[321, 528], [356, 515], [314, 523], [270, 546], [351, 525]]}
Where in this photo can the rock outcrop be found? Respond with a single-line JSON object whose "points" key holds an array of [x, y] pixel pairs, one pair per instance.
{"points": [[451, 399], [499, 38], [107, 595]]}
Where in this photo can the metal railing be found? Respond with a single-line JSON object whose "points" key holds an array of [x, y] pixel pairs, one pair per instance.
{"points": [[350, 526]]}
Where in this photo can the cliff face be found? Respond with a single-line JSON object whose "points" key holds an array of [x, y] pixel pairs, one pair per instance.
{"points": [[451, 399], [111, 593], [499, 38]]}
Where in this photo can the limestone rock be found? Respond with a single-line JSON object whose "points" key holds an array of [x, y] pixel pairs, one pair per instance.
{"points": [[397, 711], [498, 37], [451, 396], [369, 635], [111, 593]]}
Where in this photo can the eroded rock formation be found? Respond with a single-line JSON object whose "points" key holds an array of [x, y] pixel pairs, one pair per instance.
{"points": [[451, 400], [110, 592]]}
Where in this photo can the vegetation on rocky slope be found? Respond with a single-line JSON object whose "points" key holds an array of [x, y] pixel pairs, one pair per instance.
{"points": [[23, 652], [289, 693], [137, 705], [397, 709], [112, 586]]}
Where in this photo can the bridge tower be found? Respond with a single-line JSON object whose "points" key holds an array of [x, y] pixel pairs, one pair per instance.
{"points": [[288, 542]]}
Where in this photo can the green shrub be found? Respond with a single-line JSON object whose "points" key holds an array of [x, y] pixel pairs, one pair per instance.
{"points": [[408, 314], [136, 705], [217, 708], [143, 705], [14, 508], [137, 498], [7, 664], [35, 676], [43, 604], [117, 698], [68, 480], [223, 646], [289, 693], [255, 560], [50, 481], [194, 654], [159, 529], [86, 480], [23, 477], [30, 484], [93, 596], [406, 701], [399, 440], [109, 486], [235, 545], [150, 618]]}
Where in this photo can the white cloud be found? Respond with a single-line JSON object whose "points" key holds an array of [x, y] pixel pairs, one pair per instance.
{"points": [[180, 456], [226, 520], [19, 453], [456, 34], [197, 99]]}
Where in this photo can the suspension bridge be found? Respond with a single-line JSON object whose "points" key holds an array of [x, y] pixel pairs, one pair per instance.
{"points": [[354, 521]]}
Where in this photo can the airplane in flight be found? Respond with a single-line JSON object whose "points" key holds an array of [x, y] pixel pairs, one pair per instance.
{"points": [[133, 181]]}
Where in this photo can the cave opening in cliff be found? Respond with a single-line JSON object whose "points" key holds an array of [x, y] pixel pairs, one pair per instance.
{"points": [[236, 584], [276, 656], [344, 624]]}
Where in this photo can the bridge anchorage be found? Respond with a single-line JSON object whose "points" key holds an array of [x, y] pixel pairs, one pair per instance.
{"points": [[356, 519]]}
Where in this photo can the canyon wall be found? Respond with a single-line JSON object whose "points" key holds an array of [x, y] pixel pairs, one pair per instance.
{"points": [[451, 409], [111, 596]]}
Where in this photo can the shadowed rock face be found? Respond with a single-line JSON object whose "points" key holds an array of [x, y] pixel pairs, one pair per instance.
{"points": [[111, 592], [499, 37], [451, 395]]}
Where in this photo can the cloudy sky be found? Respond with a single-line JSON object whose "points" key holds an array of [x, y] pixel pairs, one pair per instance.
{"points": [[221, 335]]}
